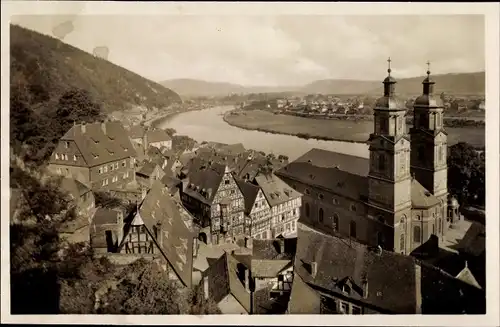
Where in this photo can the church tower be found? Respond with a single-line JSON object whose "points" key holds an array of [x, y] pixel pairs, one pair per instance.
{"points": [[389, 179], [429, 145]]}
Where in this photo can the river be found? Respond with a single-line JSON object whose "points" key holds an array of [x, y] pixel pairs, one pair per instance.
{"points": [[208, 125]]}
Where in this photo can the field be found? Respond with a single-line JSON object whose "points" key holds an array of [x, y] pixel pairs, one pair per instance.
{"points": [[339, 130]]}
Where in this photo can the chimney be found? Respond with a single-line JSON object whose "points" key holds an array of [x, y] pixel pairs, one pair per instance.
{"points": [[365, 287], [247, 280], [205, 287], [84, 128], [314, 268], [145, 139], [282, 246], [103, 127]]}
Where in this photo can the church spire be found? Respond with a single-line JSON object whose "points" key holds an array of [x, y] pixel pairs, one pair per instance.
{"points": [[389, 81], [428, 82]]}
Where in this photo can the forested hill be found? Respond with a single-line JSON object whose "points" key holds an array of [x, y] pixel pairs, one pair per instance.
{"points": [[54, 85], [45, 68]]}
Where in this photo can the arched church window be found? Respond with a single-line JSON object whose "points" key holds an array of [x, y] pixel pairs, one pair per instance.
{"points": [[402, 244], [421, 153], [306, 207], [352, 229], [416, 234], [335, 222], [381, 162], [321, 215]]}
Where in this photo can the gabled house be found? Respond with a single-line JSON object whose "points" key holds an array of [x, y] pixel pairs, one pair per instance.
{"points": [[284, 201], [272, 274], [148, 174], [227, 282], [106, 230], [212, 195], [158, 138], [162, 227], [257, 211], [80, 194], [100, 155]]}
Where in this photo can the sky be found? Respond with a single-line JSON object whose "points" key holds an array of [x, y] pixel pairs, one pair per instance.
{"points": [[275, 50]]}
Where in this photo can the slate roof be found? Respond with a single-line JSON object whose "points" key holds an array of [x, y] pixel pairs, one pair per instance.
{"points": [[136, 131], [271, 249], [466, 276], [392, 103], [428, 100], [177, 246], [223, 280], [100, 145], [157, 135], [329, 159], [275, 190], [339, 260], [336, 180], [303, 299], [420, 197], [203, 184], [74, 187], [249, 192], [147, 169], [473, 242], [319, 168]]}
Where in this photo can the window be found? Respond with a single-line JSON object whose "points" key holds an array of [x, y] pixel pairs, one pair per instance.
{"points": [[352, 229], [356, 310], [335, 201], [416, 234], [57, 156], [105, 169], [353, 207], [111, 168], [293, 224], [320, 196], [67, 144], [320, 215], [74, 157], [402, 244], [116, 165], [433, 229], [381, 162], [100, 170], [346, 288], [307, 209], [336, 222], [226, 182], [124, 163], [421, 153], [439, 225], [344, 308], [307, 191]]}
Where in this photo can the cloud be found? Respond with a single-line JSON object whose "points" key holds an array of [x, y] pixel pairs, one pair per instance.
{"points": [[277, 50]]}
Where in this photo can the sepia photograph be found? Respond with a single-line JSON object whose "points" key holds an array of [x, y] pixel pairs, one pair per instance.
{"points": [[239, 159]]}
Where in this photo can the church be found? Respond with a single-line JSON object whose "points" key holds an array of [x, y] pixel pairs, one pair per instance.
{"points": [[397, 198]]}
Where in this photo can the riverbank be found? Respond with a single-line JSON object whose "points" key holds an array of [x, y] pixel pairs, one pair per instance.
{"points": [[330, 130]]}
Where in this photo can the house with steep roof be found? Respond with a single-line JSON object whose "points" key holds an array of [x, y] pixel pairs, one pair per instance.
{"points": [[212, 195], [146, 136], [106, 230], [284, 202], [333, 275], [100, 155], [227, 282], [81, 194], [162, 227], [148, 174]]}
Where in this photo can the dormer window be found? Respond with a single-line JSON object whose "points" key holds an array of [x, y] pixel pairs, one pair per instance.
{"points": [[346, 288], [74, 157], [57, 156], [67, 144]]}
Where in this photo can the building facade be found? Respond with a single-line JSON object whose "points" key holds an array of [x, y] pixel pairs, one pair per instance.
{"points": [[214, 198], [100, 155]]}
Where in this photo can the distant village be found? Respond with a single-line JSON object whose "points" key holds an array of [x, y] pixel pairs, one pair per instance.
{"points": [[319, 104]]}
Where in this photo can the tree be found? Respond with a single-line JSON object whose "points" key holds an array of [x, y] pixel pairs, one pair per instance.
{"points": [[466, 174]]}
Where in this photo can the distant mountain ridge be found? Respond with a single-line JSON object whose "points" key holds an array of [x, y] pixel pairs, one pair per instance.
{"points": [[45, 67], [452, 83]]}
